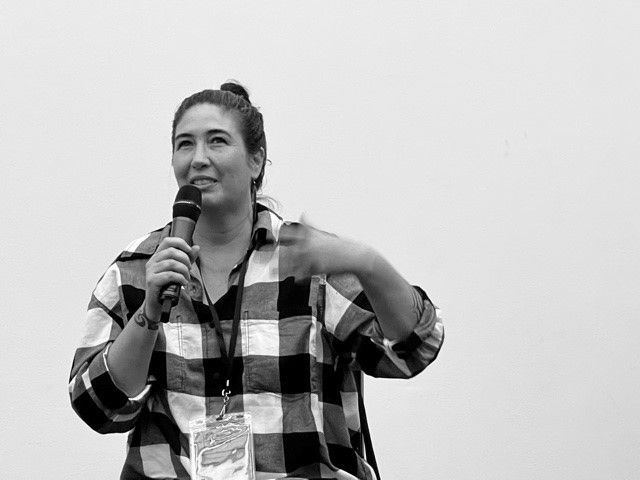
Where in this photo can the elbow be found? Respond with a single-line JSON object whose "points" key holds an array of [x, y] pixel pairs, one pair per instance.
{"points": [[105, 425], [100, 420]]}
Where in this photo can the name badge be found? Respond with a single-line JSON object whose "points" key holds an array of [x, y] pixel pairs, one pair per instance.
{"points": [[222, 447]]}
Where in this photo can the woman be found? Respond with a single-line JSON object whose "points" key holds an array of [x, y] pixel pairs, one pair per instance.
{"points": [[311, 310]]}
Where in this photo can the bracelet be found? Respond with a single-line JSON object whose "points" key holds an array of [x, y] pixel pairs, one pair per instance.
{"points": [[142, 320]]}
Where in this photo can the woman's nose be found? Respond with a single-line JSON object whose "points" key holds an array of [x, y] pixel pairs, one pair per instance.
{"points": [[200, 158]]}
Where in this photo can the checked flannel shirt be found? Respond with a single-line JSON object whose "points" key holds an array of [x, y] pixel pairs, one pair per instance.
{"points": [[299, 344]]}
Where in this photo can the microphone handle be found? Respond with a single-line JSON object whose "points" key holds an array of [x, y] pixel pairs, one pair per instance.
{"points": [[180, 227]]}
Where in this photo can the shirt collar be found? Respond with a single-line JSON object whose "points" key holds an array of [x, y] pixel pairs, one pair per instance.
{"points": [[266, 226]]}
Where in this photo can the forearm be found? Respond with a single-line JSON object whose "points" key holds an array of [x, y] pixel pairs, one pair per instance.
{"points": [[129, 356], [398, 306]]}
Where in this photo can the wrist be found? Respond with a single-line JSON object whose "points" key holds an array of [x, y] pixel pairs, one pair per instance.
{"points": [[147, 316], [151, 310]]}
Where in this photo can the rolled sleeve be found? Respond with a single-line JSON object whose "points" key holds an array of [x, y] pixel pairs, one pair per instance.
{"points": [[416, 351], [100, 402], [351, 319]]}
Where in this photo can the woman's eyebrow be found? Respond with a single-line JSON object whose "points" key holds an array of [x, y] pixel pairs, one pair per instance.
{"points": [[208, 132], [217, 131], [180, 135]]}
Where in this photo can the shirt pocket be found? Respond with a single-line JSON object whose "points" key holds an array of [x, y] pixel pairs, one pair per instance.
{"points": [[279, 354]]}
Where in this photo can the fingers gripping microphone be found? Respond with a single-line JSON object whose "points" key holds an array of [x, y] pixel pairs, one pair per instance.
{"points": [[186, 211]]}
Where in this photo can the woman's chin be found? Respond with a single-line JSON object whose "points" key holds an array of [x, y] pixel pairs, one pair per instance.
{"points": [[225, 205]]}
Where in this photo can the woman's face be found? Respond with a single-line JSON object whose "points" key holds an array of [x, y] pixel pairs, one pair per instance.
{"points": [[210, 153]]}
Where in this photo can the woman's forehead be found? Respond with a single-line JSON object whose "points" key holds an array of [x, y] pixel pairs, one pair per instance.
{"points": [[205, 117]]}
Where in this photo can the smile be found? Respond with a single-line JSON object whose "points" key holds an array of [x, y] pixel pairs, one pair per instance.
{"points": [[202, 181]]}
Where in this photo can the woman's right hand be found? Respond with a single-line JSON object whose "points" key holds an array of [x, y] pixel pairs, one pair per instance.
{"points": [[170, 264]]}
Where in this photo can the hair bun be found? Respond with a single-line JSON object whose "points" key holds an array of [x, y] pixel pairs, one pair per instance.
{"points": [[235, 88]]}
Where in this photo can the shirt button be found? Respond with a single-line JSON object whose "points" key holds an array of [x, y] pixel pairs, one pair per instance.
{"points": [[193, 289]]}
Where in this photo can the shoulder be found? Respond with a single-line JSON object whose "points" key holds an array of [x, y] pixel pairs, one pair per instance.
{"points": [[268, 224], [145, 246]]}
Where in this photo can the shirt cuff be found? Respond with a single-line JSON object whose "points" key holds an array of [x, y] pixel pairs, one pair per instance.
{"points": [[425, 329], [107, 390]]}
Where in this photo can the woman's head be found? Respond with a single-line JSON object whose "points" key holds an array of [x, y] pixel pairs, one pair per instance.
{"points": [[233, 98]]}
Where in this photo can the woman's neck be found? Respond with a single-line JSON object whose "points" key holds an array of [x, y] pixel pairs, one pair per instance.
{"points": [[222, 232]]}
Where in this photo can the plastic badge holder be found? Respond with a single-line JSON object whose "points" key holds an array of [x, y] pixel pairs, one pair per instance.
{"points": [[222, 449]]}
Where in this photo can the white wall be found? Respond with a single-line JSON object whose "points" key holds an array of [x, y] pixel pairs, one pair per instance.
{"points": [[489, 149]]}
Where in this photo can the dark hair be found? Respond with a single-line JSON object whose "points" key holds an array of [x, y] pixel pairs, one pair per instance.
{"points": [[232, 97]]}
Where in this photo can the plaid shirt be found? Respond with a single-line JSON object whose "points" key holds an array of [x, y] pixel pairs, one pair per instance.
{"points": [[300, 345]]}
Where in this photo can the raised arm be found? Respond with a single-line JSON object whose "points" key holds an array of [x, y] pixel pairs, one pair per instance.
{"points": [[129, 357], [308, 251], [108, 380]]}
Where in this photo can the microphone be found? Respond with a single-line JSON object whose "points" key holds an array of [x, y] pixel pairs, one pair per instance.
{"points": [[186, 210]]}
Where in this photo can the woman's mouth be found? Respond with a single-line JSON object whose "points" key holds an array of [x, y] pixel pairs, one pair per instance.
{"points": [[202, 181]]}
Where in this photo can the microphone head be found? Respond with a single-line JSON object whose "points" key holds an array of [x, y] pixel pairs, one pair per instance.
{"points": [[188, 202], [189, 193]]}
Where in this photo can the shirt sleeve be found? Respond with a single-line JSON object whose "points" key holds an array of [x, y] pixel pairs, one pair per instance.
{"points": [[349, 317], [94, 395]]}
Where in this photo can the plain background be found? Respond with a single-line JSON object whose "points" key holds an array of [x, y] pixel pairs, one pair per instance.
{"points": [[489, 149]]}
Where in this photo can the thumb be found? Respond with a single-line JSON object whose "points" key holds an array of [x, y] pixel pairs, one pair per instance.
{"points": [[194, 254]]}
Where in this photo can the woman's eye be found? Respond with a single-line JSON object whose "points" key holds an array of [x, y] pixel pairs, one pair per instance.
{"points": [[183, 144], [216, 140]]}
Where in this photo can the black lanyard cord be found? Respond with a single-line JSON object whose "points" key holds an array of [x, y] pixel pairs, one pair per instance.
{"points": [[228, 358]]}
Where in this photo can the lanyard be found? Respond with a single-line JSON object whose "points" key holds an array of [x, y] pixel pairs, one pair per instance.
{"points": [[228, 358]]}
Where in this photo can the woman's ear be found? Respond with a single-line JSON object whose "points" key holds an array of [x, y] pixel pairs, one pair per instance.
{"points": [[256, 162]]}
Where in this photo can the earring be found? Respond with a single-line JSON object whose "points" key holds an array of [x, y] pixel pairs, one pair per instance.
{"points": [[254, 189]]}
